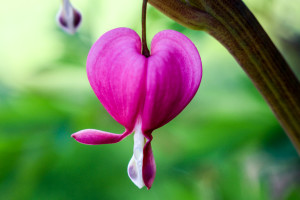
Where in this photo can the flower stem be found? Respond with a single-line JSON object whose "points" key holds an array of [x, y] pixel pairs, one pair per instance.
{"points": [[145, 50], [233, 24]]}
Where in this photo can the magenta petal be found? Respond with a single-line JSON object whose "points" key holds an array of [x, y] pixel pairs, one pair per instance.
{"points": [[173, 77], [117, 73], [149, 167], [94, 137]]}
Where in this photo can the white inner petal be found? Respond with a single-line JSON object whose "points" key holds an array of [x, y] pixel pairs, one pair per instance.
{"points": [[135, 165]]}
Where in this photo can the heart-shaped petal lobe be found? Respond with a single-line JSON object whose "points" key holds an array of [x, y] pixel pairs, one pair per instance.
{"points": [[117, 73], [173, 78]]}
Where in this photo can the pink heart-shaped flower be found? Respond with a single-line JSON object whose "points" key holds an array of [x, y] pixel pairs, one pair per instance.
{"points": [[141, 93]]}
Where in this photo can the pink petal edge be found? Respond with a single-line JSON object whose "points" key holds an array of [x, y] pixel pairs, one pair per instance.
{"points": [[149, 166], [96, 137]]}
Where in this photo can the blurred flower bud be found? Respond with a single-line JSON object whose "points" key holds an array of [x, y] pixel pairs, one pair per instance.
{"points": [[68, 17]]}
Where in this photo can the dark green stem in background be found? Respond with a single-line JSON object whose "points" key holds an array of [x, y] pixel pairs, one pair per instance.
{"points": [[145, 50], [233, 24]]}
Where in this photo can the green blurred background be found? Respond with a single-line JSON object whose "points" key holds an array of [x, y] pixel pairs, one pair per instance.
{"points": [[226, 144]]}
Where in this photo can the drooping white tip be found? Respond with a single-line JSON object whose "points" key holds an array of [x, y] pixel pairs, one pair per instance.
{"points": [[135, 166]]}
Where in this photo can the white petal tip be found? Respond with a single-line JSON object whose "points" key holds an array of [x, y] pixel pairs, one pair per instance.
{"points": [[135, 173], [135, 166]]}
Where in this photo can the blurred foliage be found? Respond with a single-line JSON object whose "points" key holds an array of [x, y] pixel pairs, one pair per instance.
{"points": [[226, 144]]}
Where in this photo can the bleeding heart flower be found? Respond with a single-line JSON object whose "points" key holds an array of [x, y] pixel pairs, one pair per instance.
{"points": [[68, 17], [141, 93]]}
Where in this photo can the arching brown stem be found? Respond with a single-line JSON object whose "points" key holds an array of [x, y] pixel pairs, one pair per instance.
{"points": [[233, 24]]}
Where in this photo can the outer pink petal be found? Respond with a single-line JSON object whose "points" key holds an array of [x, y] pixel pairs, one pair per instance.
{"points": [[149, 167], [173, 77], [117, 73], [95, 137]]}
